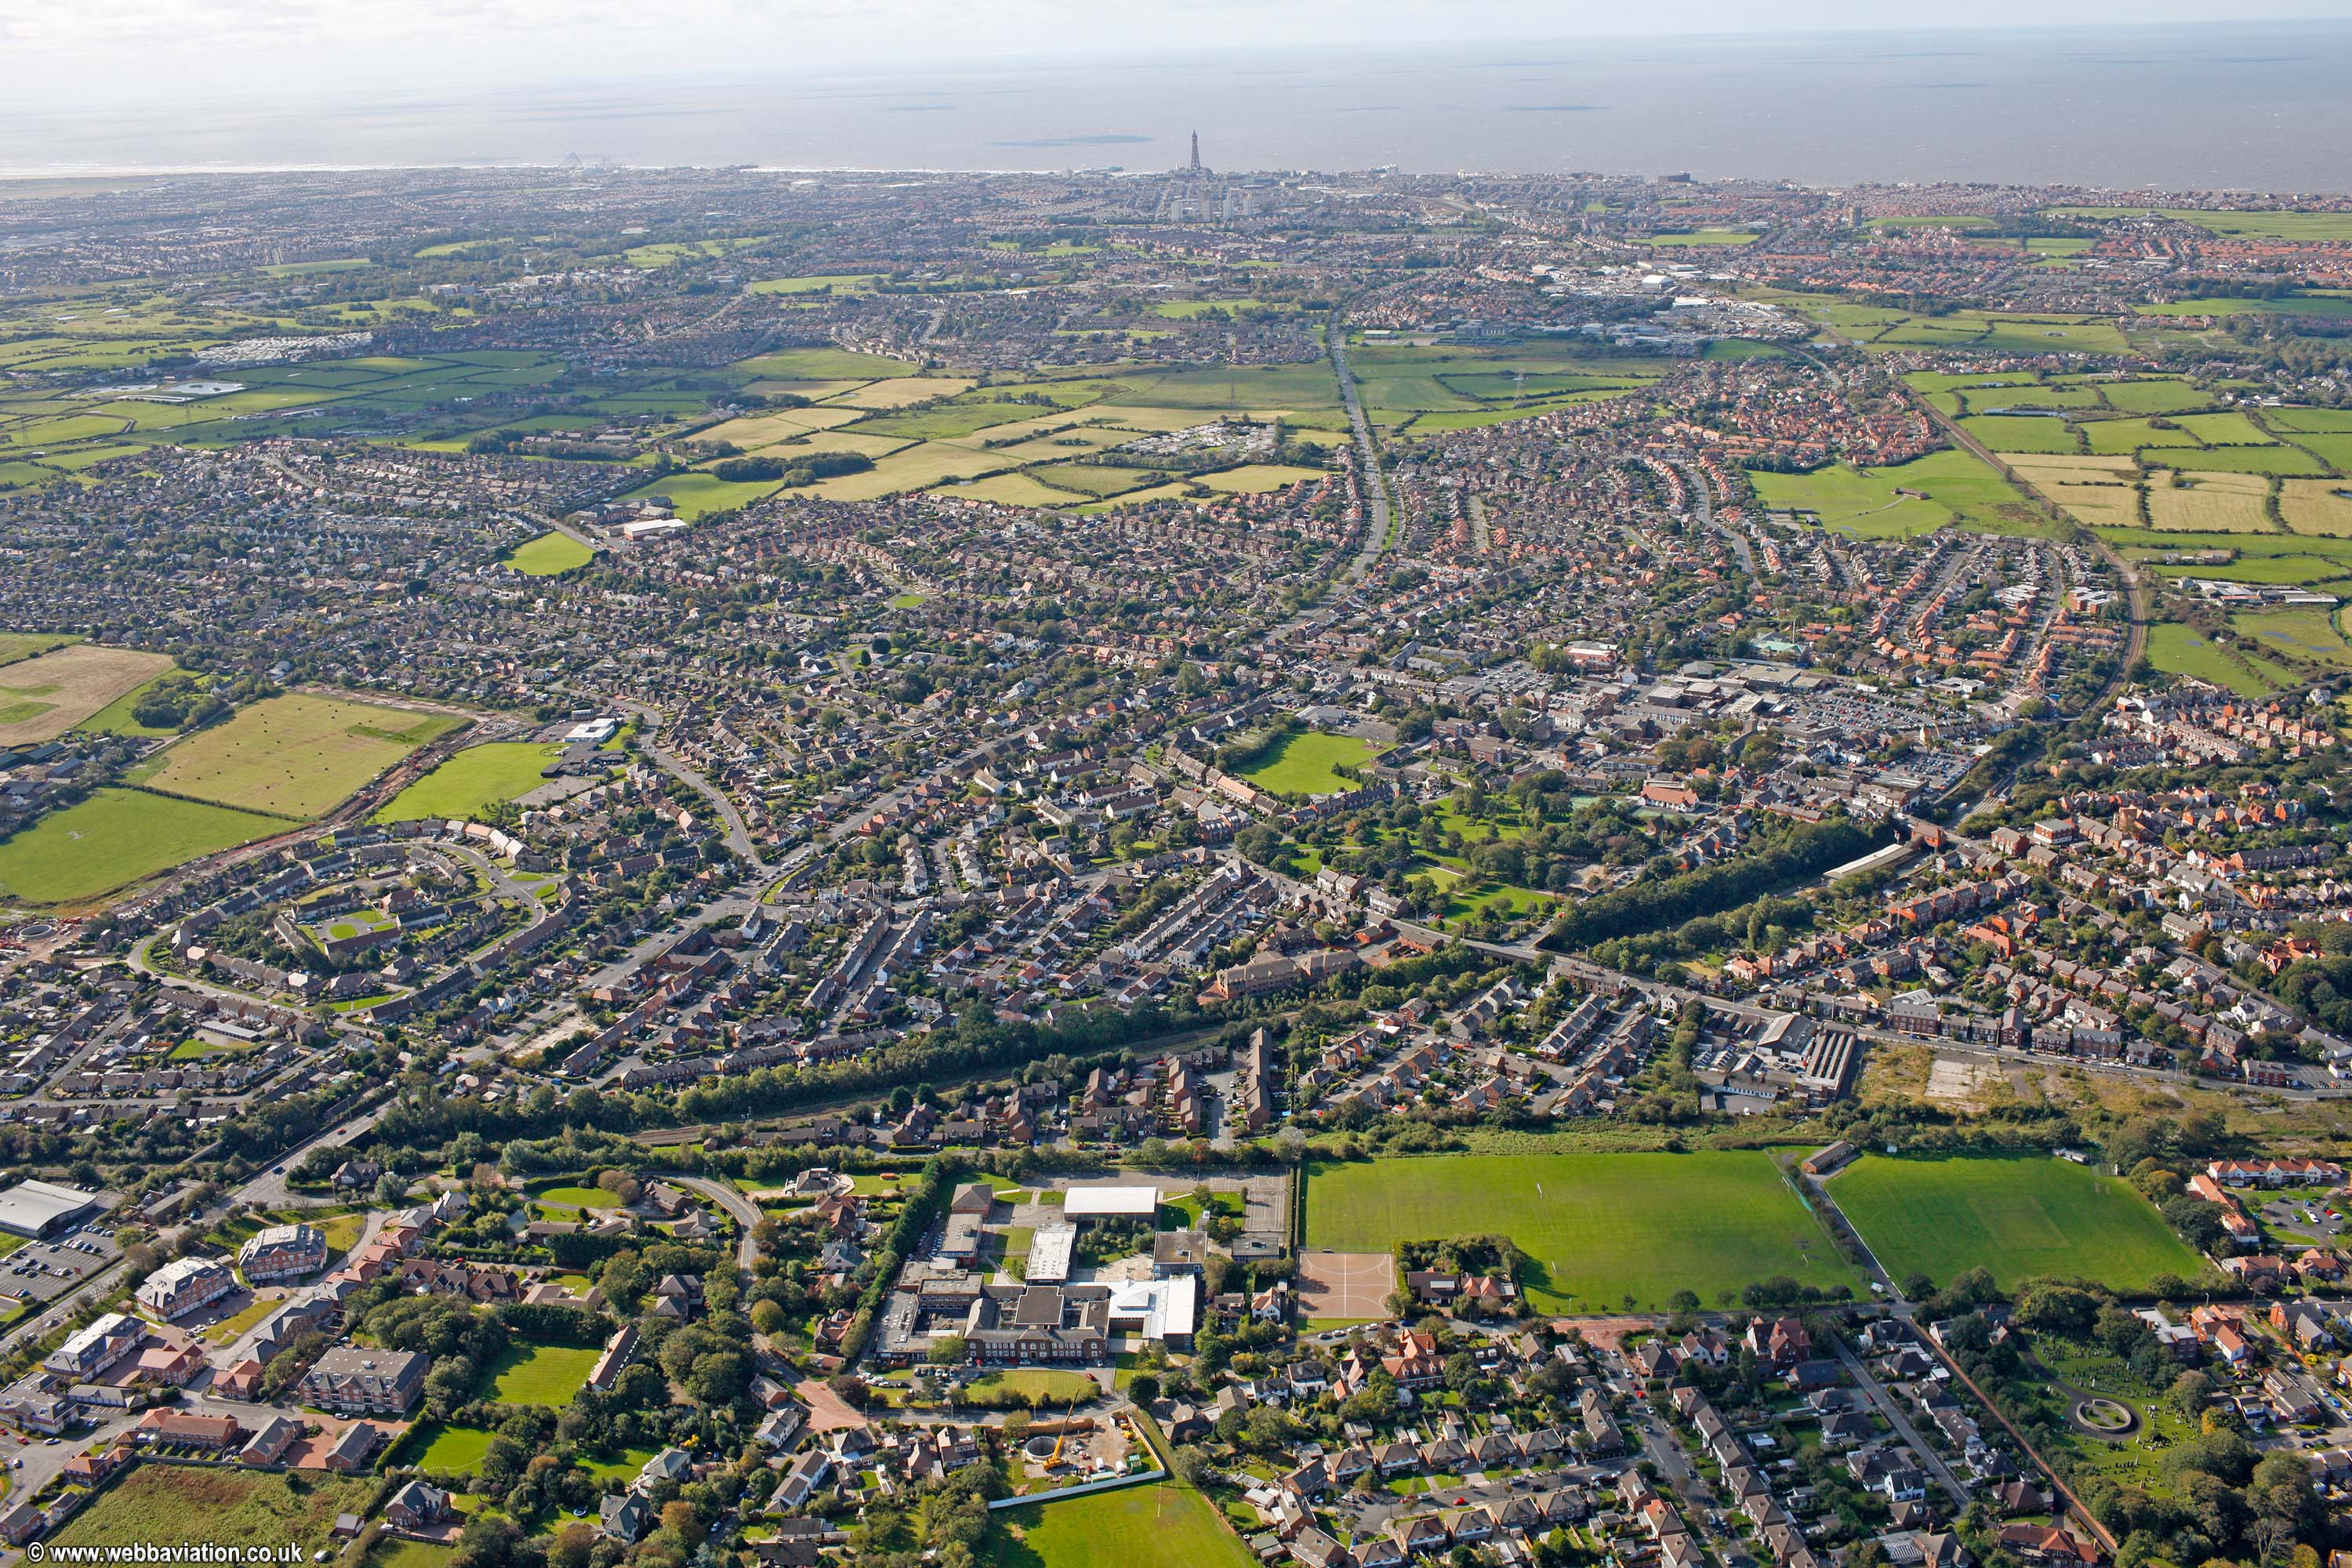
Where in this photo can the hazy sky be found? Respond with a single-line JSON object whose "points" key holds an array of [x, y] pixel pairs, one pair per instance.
{"points": [[60, 55]]}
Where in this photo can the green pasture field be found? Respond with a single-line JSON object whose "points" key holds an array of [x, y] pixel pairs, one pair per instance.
{"points": [[2335, 450], [2156, 395], [1849, 500], [2318, 421], [695, 493], [819, 283], [1301, 764], [115, 837], [474, 780], [2236, 222], [1163, 1524], [1992, 400], [2228, 427], [1220, 389], [2177, 650], [1960, 489], [2021, 433], [184, 1505], [820, 364], [2331, 307], [293, 755], [2302, 633], [1596, 1228], [2121, 438], [541, 1374], [2019, 1217], [549, 555]]}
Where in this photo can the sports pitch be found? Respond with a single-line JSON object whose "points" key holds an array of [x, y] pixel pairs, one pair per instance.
{"points": [[2019, 1217], [1596, 1228], [293, 756], [114, 838]]}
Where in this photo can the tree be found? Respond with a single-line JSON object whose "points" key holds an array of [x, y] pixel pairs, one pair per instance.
{"points": [[950, 1350]]}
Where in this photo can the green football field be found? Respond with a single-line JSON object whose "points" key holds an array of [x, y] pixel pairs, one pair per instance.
{"points": [[1596, 1228], [2019, 1217]]}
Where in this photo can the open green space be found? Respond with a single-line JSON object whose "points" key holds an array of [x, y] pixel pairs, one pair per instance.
{"points": [[114, 838], [2301, 633], [2021, 1218], [447, 1450], [1302, 763], [474, 780], [550, 555], [541, 1374], [14, 646], [2234, 222], [1948, 487], [294, 755], [1163, 1524], [1043, 1384], [1598, 1231]]}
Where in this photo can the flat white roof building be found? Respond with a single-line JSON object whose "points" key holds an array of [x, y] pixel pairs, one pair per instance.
{"points": [[1049, 1255], [1111, 1203], [1155, 1309]]}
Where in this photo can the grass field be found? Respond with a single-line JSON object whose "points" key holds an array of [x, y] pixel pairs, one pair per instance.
{"points": [[2304, 634], [1597, 1228], [2183, 650], [2018, 1217], [550, 555], [293, 756], [541, 1374], [447, 1450], [2242, 222], [1163, 1525], [476, 778], [175, 1505], [1847, 500], [43, 697], [115, 837], [14, 646], [1301, 764], [1043, 1384]]}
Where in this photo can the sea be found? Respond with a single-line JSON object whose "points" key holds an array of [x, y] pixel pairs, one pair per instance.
{"points": [[2242, 106]]}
